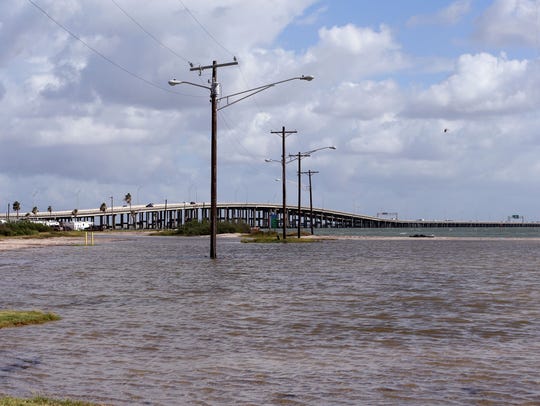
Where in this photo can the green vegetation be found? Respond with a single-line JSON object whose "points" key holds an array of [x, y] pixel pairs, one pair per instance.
{"points": [[274, 237], [33, 230], [22, 228], [15, 318], [203, 228], [41, 401]]}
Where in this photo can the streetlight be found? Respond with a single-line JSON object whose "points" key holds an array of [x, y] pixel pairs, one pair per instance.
{"points": [[309, 173], [299, 156], [214, 89]]}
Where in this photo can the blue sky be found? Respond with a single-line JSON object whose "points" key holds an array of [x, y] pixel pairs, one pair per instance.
{"points": [[89, 117]]}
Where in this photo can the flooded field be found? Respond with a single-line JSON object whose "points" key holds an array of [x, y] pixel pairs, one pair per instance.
{"points": [[153, 321]]}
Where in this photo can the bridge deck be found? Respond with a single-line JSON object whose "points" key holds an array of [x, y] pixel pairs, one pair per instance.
{"points": [[262, 215]]}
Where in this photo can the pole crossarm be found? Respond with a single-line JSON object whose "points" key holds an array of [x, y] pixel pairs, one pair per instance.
{"points": [[217, 65]]}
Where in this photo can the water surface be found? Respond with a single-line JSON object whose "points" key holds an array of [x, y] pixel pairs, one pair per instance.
{"points": [[152, 320]]}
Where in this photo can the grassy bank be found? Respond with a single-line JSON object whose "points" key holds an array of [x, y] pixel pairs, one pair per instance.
{"points": [[17, 318], [24, 229], [41, 401], [193, 228], [274, 237]]}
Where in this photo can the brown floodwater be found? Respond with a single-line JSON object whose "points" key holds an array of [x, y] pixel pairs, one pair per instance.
{"points": [[153, 321]]}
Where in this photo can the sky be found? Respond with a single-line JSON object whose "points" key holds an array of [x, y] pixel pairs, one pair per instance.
{"points": [[432, 105]]}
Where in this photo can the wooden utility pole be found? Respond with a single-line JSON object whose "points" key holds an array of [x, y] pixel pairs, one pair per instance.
{"points": [[214, 92], [284, 134], [309, 173]]}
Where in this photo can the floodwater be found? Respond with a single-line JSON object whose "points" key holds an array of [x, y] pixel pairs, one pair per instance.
{"points": [[153, 321]]}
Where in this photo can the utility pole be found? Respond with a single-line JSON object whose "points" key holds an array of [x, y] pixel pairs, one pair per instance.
{"points": [[214, 92], [284, 134], [299, 156], [112, 212], [309, 173]]}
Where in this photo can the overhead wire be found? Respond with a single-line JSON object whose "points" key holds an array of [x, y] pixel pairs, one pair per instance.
{"points": [[204, 28], [213, 38], [103, 56], [149, 33]]}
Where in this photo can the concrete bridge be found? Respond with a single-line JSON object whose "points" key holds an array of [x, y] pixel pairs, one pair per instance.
{"points": [[262, 215]]}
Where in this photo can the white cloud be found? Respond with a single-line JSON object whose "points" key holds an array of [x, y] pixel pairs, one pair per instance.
{"points": [[448, 16], [80, 122], [365, 100], [482, 84], [311, 18], [349, 52], [510, 22]]}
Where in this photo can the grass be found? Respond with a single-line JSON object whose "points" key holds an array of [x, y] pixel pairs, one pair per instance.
{"points": [[28, 229], [17, 318], [274, 237], [41, 401], [194, 228]]}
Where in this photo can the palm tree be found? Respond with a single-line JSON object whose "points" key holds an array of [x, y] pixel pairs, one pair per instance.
{"points": [[17, 207], [74, 212], [35, 210], [103, 209], [49, 209], [127, 199]]}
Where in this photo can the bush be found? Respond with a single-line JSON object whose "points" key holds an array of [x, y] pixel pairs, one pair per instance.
{"points": [[203, 228], [22, 228]]}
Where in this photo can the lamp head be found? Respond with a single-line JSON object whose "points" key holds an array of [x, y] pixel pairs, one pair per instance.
{"points": [[309, 78], [332, 147], [174, 82]]}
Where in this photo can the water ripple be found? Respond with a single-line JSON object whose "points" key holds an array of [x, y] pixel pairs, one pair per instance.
{"points": [[154, 321]]}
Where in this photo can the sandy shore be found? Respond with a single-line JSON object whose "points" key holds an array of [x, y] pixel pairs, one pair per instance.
{"points": [[17, 243], [7, 244]]}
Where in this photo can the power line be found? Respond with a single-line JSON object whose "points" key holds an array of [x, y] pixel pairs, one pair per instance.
{"points": [[106, 58], [204, 28], [219, 44], [149, 33]]}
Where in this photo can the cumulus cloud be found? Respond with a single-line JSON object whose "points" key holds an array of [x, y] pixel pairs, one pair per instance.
{"points": [[355, 52], [510, 22], [482, 84], [107, 123], [363, 101]]}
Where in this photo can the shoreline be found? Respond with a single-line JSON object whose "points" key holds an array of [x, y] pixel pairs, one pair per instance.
{"points": [[19, 243]]}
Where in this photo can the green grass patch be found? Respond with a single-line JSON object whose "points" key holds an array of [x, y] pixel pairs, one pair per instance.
{"points": [[41, 401], [275, 237], [193, 228], [16, 318]]}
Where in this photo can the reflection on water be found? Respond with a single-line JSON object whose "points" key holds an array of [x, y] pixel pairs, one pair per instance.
{"points": [[150, 320]]}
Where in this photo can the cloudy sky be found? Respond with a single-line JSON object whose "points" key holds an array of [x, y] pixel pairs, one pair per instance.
{"points": [[432, 105]]}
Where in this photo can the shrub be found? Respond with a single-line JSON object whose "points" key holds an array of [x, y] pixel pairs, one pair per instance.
{"points": [[22, 228], [203, 228]]}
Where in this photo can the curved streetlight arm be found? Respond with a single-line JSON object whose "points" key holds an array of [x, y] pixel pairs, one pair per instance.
{"points": [[174, 82], [258, 89], [294, 157], [253, 92]]}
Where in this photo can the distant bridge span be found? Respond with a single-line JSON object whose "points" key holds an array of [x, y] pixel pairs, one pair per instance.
{"points": [[262, 215]]}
